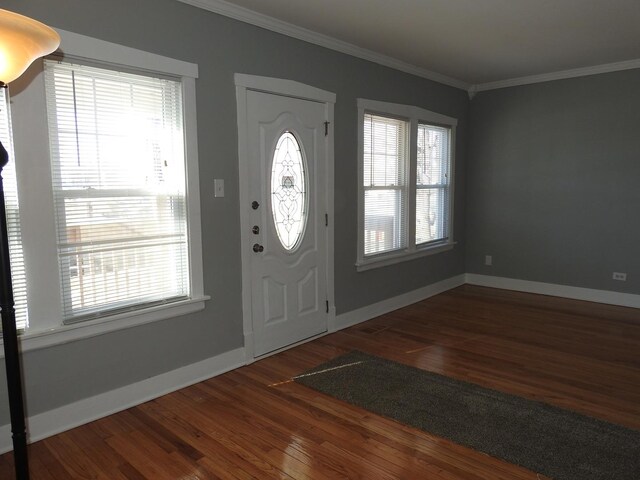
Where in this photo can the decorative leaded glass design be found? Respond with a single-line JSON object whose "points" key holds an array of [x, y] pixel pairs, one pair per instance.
{"points": [[288, 191]]}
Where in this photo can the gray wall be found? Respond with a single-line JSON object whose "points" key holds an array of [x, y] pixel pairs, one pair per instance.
{"points": [[552, 190], [221, 47]]}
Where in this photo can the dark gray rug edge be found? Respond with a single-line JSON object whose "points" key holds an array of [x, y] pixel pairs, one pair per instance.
{"points": [[555, 442]]}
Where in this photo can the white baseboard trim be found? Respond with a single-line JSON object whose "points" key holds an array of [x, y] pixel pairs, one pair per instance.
{"points": [[64, 418], [380, 308], [84, 411], [555, 290]]}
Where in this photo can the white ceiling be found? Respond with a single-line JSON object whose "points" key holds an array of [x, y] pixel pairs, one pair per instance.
{"points": [[464, 43]]}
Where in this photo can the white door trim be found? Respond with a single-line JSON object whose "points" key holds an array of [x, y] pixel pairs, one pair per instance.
{"points": [[287, 88]]}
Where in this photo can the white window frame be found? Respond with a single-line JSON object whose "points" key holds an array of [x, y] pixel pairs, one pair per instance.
{"points": [[33, 166], [414, 116]]}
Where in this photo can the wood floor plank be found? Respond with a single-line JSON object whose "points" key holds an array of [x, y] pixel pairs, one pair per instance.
{"points": [[256, 423]]}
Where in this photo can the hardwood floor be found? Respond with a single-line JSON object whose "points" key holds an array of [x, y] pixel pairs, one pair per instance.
{"points": [[255, 423]]}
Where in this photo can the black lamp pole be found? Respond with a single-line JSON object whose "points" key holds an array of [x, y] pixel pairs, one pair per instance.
{"points": [[10, 340], [22, 40]]}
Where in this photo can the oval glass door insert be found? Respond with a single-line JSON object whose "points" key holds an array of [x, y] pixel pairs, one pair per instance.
{"points": [[288, 191]]}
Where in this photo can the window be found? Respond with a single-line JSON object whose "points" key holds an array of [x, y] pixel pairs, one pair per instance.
{"points": [[18, 276], [406, 183], [386, 153], [432, 184], [111, 225], [288, 191], [117, 161]]}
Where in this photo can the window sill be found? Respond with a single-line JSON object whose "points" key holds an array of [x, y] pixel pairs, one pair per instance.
{"points": [[33, 339], [402, 256]]}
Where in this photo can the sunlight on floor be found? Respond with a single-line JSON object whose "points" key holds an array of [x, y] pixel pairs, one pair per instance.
{"points": [[327, 370]]}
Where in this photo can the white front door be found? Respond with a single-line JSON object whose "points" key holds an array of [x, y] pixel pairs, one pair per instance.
{"points": [[287, 170]]}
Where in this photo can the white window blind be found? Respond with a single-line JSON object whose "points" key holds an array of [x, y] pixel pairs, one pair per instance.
{"points": [[118, 174], [13, 217], [405, 202], [432, 184], [385, 152]]}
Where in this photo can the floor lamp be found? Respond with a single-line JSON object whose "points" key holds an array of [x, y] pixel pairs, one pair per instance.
{"points": [[22, 40]]}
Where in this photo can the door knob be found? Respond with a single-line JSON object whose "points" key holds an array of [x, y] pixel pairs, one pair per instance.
{"points": [[255, 205], [255, 229], [257, 248]]}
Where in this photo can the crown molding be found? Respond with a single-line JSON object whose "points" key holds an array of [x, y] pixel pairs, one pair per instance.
{"points": [[264, 21], [561, 75], [245, 15]]}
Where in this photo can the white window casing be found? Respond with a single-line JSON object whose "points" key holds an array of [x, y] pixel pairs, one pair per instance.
{"points": [[118, 176], [47, 310], [14, 231], [406, 184]]}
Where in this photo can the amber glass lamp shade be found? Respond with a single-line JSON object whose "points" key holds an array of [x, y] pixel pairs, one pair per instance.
{"points": [[22, 40]]}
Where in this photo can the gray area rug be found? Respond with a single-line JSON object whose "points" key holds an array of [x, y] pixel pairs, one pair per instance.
{"points": [[558, 443]]}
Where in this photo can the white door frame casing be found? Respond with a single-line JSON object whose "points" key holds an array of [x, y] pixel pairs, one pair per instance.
{"points": [[286, 88]]}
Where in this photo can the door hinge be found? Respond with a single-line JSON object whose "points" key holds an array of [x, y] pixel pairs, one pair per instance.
{"points": [[326, 128], [326, 219], [327, 303]]}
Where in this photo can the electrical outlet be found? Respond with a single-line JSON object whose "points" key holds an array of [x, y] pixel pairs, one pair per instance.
{"points": [[218, 187], [488, 260], [622, 277]]}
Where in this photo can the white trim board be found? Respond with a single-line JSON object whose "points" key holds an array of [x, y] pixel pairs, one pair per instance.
{"points": [[561, 75], [363, 314], [35, 340], [69, 416], [269, 23], [555, 290], [283, 87], [89, 48]]}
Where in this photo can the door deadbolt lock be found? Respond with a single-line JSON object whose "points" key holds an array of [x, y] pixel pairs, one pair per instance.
{"points": [[255, 229], [257, 248], [255, 205]]}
